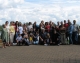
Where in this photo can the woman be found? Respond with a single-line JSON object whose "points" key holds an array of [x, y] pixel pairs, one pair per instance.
{"points": [[7, 26], [12, 33], [63, 33], [4, 36]]}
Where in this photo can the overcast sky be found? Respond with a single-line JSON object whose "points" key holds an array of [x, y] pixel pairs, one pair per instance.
{"points": [[37, 10]]}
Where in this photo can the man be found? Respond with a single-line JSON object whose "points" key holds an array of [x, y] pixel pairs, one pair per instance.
{"points": [[75, 32], [66, 25], [56, 38], [70, 31]]}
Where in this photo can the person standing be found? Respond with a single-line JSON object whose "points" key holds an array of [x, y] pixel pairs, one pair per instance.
{"points": [[75, 32], [70, 31], [12, 33], [7, 26], [4, 36], [63, 33]]}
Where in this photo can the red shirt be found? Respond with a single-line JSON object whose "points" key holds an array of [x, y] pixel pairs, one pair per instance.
{"points": [[47, 28], [66, 25]]}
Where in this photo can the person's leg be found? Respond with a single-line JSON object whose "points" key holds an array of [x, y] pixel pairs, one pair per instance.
{"points": [[12, 39], [70, 39], [61, 38], [8, 39], [73, 37], [19, 43], [23, 42], [76, 37], [37, 42], [4, 44], [65, 41], [26, 42], [58, 42], [34, 42]]}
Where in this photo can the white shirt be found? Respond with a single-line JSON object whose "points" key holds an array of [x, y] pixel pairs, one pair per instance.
{"points": [[19, 38], [29, 27], [7, 28], [20, 28]]}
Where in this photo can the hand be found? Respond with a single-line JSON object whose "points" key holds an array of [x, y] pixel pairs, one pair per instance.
{"points": [[41, 39], [50, 42], [57, 39]]}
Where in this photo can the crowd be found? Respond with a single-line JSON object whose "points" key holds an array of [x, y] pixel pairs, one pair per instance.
{"points": [[46, 33]]}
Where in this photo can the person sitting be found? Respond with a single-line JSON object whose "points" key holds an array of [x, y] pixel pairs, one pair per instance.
{"points": [[48, 39], [25, 39], [42, 37], [19, 39], [36, 38], [56, 38]]}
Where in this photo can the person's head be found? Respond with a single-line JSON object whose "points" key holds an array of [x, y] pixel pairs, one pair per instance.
{"points": [[6, 22], [50, 22], [58, 23], [11, 23], [4, 26], [20, 24], [74, 21], [62, 24], [69, 23], [16, 23], [24, 24], [37, 33], [46, 23], [68, 20], [19, 35], [42, 22], [30, 23], [35, 23], [31, 34], [64, 21], [48, 35]]}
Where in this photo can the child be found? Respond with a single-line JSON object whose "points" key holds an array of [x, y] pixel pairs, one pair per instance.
{"points": [[31, 38]]}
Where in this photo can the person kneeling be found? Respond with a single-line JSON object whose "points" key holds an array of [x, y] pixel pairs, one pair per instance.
{"points": [[19, 40], [25, 39], [36, 38]]}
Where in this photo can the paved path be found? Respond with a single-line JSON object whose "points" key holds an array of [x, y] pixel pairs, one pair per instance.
{"points": [[40, 54]]}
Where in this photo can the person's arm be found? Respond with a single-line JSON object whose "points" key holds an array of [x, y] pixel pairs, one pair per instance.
{"points": [[41, 38], [78, 28], [71, 28]]}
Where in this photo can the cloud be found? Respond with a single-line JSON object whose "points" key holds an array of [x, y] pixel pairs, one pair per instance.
{"points": [[47, 10]]}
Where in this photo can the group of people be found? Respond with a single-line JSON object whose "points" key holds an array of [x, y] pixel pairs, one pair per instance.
{"points": [[46, 33]]}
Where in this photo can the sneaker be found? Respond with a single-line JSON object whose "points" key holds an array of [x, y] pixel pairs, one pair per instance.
{"points": [[58, 44], [45, 44]]}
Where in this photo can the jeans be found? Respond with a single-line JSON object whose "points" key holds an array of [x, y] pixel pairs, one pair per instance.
{"points": [[36, 42], [63, 38], [75, 37], [70, 38]]}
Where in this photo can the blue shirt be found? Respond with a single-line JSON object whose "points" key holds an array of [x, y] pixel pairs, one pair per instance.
{"points": [[70, 29]]}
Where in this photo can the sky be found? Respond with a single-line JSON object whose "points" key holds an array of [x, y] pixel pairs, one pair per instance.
{"points": [[37, 10]]}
